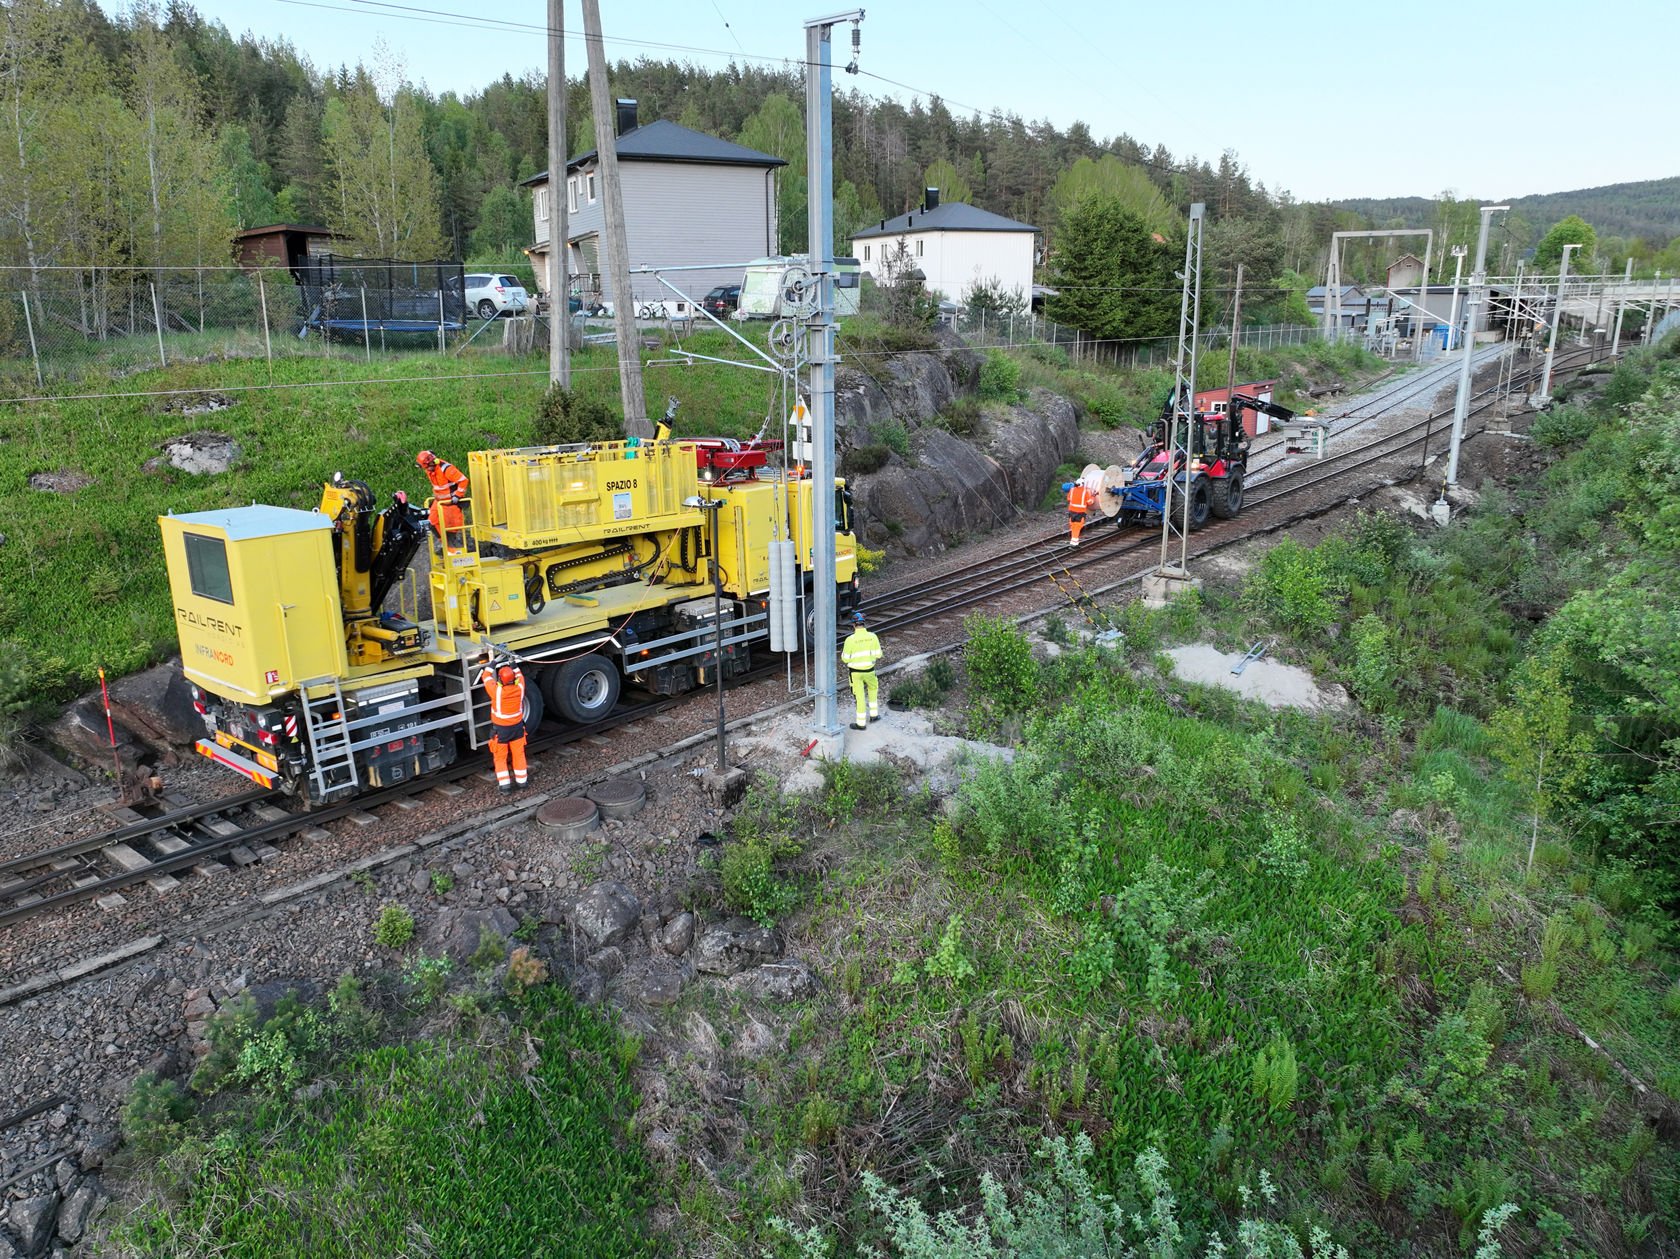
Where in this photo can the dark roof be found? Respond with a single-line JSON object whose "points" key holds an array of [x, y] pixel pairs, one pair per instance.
{"points": [[948, 216], [671, 142], [284, 227]]}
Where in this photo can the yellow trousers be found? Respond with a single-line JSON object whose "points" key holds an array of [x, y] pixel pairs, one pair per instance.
{"points": [[866, 685]]}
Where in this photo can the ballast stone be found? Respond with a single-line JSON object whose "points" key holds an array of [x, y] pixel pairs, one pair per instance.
{"points": [[607, 912], [734, 945]]}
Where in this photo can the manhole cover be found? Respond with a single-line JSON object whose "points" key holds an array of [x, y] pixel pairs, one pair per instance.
{"points": [[619, 797], [571, 816]]}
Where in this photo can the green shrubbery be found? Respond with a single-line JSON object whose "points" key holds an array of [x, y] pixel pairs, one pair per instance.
{"points": [[1000, 378], [432, 1147], [565, 418], [1002, 675]]}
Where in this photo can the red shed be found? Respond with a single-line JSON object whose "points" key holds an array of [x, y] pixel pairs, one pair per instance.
{"points": [[1215, 401]]}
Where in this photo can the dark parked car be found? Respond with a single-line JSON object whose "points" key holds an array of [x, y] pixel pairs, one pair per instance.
{"points": [[722, 300]]}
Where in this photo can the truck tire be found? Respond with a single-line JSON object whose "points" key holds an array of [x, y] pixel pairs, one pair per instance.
{"points": [[583, 690], [1228, 495], [1201, 503], [535, 709]]}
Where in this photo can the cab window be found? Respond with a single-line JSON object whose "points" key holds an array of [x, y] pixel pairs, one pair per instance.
{"points": [[207, 568]]}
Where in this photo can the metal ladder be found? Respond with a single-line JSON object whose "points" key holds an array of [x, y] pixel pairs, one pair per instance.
{"points": [[329, 735]]}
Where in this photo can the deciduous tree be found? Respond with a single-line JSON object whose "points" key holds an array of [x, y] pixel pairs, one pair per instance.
{"points": [[1573, 230], [1535, 736], [384, 189]]}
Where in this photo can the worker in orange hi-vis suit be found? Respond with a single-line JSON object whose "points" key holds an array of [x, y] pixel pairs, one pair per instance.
{"points": [[1080, 501], [449, 492], [506, 688]]}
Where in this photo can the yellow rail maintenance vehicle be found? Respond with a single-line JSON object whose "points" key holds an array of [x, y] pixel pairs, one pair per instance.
{"points": [[590, 566]]}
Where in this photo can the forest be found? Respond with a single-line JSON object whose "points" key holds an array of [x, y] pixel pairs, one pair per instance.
{"points": [[148, 138]]}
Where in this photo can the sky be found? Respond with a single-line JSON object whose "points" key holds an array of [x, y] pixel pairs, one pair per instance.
{"points": [[1322, 100]]}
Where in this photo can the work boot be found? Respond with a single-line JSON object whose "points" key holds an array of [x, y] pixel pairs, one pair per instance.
{"points": [[505, 788], [1073, 541], [873, 715], [860, 724]]}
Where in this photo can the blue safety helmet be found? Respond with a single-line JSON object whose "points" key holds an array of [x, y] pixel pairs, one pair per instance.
{"points": [[857, 618]]}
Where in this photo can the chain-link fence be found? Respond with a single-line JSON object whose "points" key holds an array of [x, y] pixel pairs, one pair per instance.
{"points": [[995, 329], [60, 326]]}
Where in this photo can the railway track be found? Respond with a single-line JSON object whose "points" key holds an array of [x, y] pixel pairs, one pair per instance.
{"points": [[1049, 558], [238, 830]]}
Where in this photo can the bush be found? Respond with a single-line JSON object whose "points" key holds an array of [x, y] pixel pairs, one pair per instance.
{"points": [[394, 927], [1001, 669], [153, 1114], [565, 418], [1563, 426], [893, 435], [928, 688], [1049, 355], [750, 884], [961, 416], [1291, 586], [1000, 378], [862, 460]]}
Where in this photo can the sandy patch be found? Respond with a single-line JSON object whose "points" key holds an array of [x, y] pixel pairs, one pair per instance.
{"points": [[1273, 684], [907, 739]]}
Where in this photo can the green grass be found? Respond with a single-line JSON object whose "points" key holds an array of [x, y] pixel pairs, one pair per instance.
{"points": [[85, 582], [447, 1147]]}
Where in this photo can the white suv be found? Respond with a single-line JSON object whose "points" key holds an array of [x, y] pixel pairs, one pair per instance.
{"points": [[491, 295]]}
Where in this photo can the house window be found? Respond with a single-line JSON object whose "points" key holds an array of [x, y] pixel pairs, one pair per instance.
{"points": [[919, 248], [590, 178], [866, 253], [571, 194], [542, 203]]}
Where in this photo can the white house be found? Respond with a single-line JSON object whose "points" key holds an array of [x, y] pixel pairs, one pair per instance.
{"points": [[690, 199], [954, 245]]}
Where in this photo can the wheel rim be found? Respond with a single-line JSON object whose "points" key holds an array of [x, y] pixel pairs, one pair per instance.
{"points": [[486, 309], [591, 689]]}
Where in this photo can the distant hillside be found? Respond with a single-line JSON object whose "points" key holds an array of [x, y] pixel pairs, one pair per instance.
{"points": [[1649, 208]]}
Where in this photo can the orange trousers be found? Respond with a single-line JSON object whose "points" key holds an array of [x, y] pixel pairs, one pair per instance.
{"points": [[1076, 523], [501, 754]]}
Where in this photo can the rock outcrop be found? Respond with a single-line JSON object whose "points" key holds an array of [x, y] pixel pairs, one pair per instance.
{"points": [[949, 487]]}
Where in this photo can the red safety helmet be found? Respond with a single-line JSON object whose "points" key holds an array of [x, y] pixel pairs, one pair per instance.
{"points": [[425, 459], [507, 674]]}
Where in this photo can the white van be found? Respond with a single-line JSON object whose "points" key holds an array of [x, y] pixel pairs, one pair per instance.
{"points": [[763, 287]]}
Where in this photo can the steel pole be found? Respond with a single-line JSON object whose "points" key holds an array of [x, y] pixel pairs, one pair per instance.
{"points": [[1458, 272], [717, 615], [1621, 308], [1545, 394], [1478, 280], [559, 283], [819, 221], [1423, 297]]}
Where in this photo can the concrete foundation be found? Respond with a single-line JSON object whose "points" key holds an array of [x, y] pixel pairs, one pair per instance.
{"points": [[1165, 584], [724, 787]]}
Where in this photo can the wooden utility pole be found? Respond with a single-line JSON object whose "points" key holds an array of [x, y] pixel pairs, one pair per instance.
{"points": [[559, 279], [612, 226]]}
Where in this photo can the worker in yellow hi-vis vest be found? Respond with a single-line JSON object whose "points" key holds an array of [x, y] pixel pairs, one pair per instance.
{"points": [[860, 653]]}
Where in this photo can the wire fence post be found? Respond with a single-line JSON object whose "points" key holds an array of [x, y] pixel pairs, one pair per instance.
{"points": [[440, 317], [262, 300], [34, 353], [199, 271], [157, 320], [367, 334]]}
